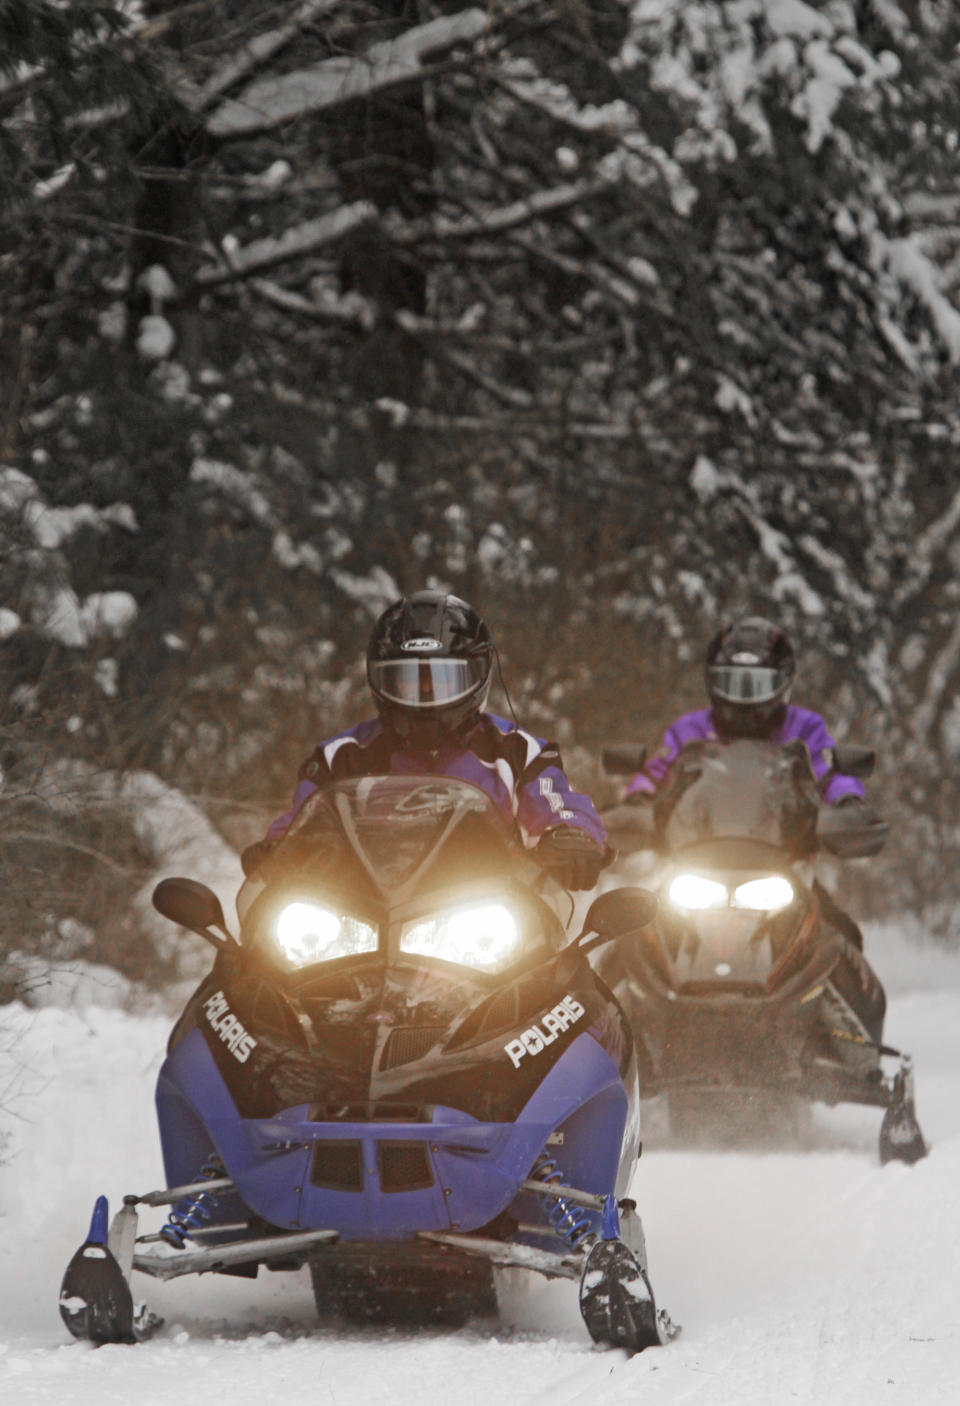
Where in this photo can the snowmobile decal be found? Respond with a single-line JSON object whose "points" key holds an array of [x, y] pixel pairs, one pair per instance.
{"points": [[537, 1037], [234, 1035]]}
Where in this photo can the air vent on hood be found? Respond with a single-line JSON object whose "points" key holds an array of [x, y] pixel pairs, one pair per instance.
{"points": [[408, 1043]]}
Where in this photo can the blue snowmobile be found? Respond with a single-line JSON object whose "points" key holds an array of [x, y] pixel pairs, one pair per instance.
{"points": [[402, 1076]]}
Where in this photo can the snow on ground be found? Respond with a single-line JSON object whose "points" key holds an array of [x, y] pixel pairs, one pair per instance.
{"points": [[804, 1275]]}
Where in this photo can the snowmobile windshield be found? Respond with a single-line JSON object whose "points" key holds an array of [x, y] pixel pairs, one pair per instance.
{"points": [[743, 790], [398, 825]]}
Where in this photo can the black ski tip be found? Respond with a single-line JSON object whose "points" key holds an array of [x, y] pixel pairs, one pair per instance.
{"points": [[901, 1139], [617, 1302], [95, 1299]]}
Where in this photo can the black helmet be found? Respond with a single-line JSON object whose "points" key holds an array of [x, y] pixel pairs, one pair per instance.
{"points": [[749, 672], [428, 666]]}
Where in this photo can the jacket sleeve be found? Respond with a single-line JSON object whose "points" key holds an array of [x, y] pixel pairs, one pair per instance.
{"points": [[657, 768], [833, 784], [545, 799]]}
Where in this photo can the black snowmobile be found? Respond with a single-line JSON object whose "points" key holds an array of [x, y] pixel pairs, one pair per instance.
{"points": [[749, 995], [401, 1076]]}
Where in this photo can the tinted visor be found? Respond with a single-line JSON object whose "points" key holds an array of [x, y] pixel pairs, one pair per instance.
{"points": [[747, 683], [427, 683]]}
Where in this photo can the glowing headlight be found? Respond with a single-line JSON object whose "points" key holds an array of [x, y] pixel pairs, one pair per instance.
{"points": [[485, 936], [307, 932], [694, 891], [766, 895]]}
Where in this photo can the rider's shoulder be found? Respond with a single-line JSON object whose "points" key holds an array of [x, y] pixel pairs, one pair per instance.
{"points": [[507, 727], [801, 722], [360, 734], [507, 739], [693, 726]]}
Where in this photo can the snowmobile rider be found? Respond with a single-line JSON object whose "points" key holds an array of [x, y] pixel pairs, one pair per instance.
{"points": [[749, 670], [429, 665]]}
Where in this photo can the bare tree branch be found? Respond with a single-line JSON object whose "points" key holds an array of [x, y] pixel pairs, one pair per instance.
{"points": [[274, 100], [260, 49], [292, 244]]}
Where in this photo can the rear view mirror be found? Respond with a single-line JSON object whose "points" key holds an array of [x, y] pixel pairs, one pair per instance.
{"points": [[619, 912], [623, 758], [852, 832], [850, 759], [193, 906]]}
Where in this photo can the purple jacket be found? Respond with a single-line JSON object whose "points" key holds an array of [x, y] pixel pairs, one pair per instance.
{"points": [[800, 723], [522, 774]]}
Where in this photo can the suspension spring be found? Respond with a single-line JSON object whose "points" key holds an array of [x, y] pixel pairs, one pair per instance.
{"points": [[569, 1221], [193, 1213]]}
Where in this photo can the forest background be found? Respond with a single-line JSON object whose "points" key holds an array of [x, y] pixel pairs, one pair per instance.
{"points": [[616, 318]]}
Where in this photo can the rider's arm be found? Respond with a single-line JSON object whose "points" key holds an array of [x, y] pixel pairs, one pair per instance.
{"points": [[563, 825], [656, 769], [834, 785], [545, 800]]}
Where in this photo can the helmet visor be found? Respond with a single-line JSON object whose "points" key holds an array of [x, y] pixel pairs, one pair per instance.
{"points": [[747, 683], [427, 683]]}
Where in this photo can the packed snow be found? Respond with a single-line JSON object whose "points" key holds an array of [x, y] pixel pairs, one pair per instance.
{"points": [[808, 1274]]}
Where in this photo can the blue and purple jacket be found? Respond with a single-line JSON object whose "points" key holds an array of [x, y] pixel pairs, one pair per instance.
{"points": [[798, 723], [521, 773]]}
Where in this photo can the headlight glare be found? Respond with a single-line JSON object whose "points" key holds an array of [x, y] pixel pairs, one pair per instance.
{"points": [[765, 895], [307, 933], [693, 891], [485, 936]]}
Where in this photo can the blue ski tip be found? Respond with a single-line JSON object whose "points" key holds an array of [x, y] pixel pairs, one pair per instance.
{"points": [[610, 1225], [99, 1222]]}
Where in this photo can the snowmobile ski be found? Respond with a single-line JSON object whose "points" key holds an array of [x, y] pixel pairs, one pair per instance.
{"points": [[95, 1298], [901, 1139], [616, 1300]]}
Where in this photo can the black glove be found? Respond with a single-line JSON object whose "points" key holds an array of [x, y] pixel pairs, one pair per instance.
{"points": [[572, 856], [857, 806]]}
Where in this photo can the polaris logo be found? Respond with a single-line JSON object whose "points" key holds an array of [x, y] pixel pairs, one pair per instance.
{"points": [[222, 1020], [425, 642], [551, 1024]]}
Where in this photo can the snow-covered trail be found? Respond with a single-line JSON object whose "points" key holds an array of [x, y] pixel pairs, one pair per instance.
{"points": [[807, 1275]]}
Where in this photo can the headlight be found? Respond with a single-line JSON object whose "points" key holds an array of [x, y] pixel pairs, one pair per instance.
{"points": [[486, 936], [308, 932], [766, 895], [695, 891]]}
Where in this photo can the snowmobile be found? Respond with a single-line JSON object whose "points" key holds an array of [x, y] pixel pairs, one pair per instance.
{"points": [[402, 1075], [749, 994]]}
